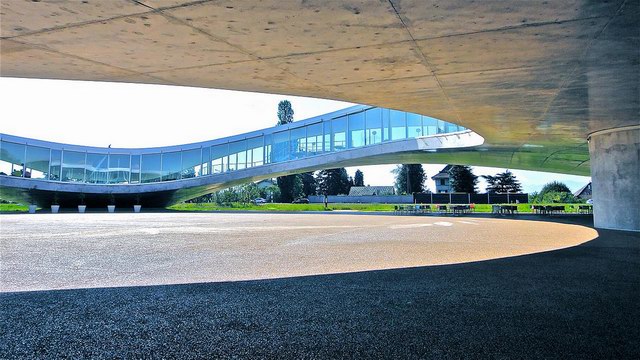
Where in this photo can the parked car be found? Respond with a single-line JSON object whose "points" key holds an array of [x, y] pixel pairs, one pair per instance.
{"points": [[590, 201], [259, 201], [300, 201]]}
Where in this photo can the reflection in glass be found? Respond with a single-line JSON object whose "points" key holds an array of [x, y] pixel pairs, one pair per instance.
{"points": [[298, 142], [398, 125], [339, 128], [327, 136], [267, 148], [280, 149], [73, 166], [119, 168], [237, 155], [441, 127], [386, 127], [414, 125], [135, 169], [11, 159], [314, 139], [37, 162], [56, 164], [255, 151], [356, 130], [219, 158], [150, 168], [451, 128], [171, 166], [429, 126], [206, 161], [374, 126], [191, 163], [97, 168]]}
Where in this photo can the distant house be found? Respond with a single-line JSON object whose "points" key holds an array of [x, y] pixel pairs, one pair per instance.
{"points": [[443, 180], [265, 183], [372, 191], [584, 192]]}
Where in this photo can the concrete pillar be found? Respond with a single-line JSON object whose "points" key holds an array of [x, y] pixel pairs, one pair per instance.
{"points": [[615, 175]]}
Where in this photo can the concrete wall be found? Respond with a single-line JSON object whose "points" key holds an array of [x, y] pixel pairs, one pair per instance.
{"points": [[615, 173], [342, 199]]}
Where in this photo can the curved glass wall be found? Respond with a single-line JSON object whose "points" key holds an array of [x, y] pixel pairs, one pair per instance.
{"points": [[351, 128]]}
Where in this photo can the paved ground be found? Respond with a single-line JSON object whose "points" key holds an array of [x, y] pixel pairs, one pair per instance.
{"points": [[494, 293]]}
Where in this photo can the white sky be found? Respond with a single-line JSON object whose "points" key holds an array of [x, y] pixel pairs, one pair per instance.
{"points": [[137, 115]]}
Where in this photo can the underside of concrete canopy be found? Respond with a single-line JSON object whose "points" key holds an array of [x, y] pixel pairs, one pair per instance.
{"points": [[533, 78]]}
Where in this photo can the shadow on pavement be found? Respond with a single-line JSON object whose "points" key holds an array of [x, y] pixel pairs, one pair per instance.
{"points": [[580, 302]]}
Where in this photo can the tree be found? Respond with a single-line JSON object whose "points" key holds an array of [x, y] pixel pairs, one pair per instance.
{"points": [[504, 182], [409, 178], [555, 186], [554, 192], [309, 184], [290, 187], [358, 179], [333, 181], [285, 112], [463, 179]]}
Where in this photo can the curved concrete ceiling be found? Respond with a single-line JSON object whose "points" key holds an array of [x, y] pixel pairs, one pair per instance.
{"points": [[533, 78]]}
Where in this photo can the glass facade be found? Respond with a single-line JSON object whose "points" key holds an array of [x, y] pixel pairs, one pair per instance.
{"points": [[361, 127]]}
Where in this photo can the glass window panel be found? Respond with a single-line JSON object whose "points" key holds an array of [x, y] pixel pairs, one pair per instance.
{"points": [[314, 139], [56, 164], [206, 161], [171, 166], [97, 168], [356, 130], [37, 162], [451, 127], [429, 125], [191, 163], [414, 125], [11, 159], [280, 150], [219, 159], [298, 142], [327, 136], [150, 168], [267, 149], [441, 128], [237, 155], [386, 130], [73, 166], [339, 129], [398, 125], [135, 169], [255, 152], [119, 165], [374, 126]]}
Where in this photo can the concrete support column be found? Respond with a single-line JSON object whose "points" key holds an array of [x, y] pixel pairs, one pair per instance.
{"points": [[615, 175]]}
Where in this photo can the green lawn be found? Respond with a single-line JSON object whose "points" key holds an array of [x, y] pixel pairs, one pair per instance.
{"points": [[13, 208], [479, 208]]}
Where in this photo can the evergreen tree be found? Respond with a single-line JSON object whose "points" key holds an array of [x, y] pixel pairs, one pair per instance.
{"points": [[409, 178], [555, 186], [358, 179], [309, 184], [285, 112], [504, 182], [333, 181], [290, 187], [463, 179]]}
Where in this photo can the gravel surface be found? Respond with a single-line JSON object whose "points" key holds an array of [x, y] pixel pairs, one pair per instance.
{"points": [[499, 291]]}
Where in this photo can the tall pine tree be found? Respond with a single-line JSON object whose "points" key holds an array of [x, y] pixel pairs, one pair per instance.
{"points": [[463, 179], [409, 178]]}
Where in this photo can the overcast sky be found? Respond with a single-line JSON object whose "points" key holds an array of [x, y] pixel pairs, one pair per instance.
{"points": [[137, 115]]}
